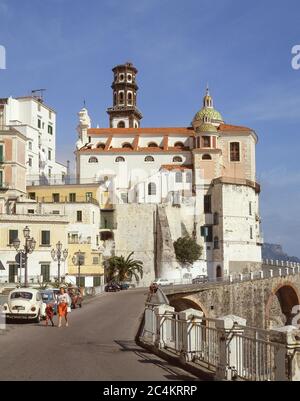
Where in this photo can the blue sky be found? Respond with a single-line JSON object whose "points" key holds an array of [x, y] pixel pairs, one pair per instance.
{"points": [[243, 49]]}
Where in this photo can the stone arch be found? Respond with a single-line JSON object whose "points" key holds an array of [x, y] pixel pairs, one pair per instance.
{"points": [[280, 304], [182, 303]]}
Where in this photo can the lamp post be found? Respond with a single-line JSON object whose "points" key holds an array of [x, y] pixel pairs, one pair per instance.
{"points": [[28, 247], [59, 256], [78, 259]]}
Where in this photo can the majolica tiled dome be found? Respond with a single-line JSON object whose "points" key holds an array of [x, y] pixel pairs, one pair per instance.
{"points": [[207, 127], [208, 113]]}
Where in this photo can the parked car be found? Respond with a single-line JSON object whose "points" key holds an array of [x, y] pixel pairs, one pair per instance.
{"points": [[112, 287], [200, 279], [76, 297], [50, 297], [124, 285], [163, 281], [25, 303]]}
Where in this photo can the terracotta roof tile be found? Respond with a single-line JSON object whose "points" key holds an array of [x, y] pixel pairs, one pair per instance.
{"points": [[133, 131], [228, 127], [175, 167]]}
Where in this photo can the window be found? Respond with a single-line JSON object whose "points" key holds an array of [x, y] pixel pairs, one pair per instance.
{"points": [[120, 159], [30, 145], [79, 215], [96, 281], [50, 129], [234, 151], [101, 146], [251, 232], [80, 281], [55, 198], [49, 154], [55, 211], [216, 218], [93, 159], [30, 211], [177, 159], [12, 235], [121, 77], [129, 98], [49, 172], [206, 232], [207, 203], [45, 272], [127, 145], [95, 260], [72, 197], [206, 157], [250, 208], [1, 178], [178, 176], [50, 114], [30, 161], [151, 188], [31, 195], [121, 97], [149, 159], [121, 124], [206, 141], [39, 123], [152, 145], [1, 153], [129, 77], [179, 145], [216, 243], [188, 178], [115, 98], [45, 238], [88, 196]]}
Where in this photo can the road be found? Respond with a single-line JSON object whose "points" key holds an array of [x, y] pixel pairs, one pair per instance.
{"points": [[97, 345]]}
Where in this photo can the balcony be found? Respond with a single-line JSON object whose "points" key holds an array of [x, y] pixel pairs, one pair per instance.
{"points": [[79, 240], [4, 186]]}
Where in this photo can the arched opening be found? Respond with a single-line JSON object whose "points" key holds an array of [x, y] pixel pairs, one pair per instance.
{"points": [[179, 145], [151, 188], [120, 159], [219, 273], [127, 145], [152, 145], [121, 97], [206, 157], [279, 310], [149, 159], [129, 98], [101, 146], [121, 124], [93, 159], [177, 159], [181, 304]]}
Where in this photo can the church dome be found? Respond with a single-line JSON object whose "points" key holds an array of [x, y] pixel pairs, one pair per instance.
{"points": [[207, 127], [208, 113]]}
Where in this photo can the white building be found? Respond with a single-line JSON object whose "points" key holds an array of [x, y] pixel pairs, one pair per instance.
{"points": [[37, 121]]}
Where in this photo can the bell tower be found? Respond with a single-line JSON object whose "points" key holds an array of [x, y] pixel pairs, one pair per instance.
{"points": [[124, 112]]}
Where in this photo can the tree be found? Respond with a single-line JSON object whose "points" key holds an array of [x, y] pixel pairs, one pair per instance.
{"points": [[187, 250], [124, 269]]}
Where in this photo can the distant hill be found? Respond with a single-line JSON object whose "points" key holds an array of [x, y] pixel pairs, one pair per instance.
{"points": [[275, 252]]}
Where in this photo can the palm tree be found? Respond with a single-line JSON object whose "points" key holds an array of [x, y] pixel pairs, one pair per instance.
{"points": [[125, 269]]}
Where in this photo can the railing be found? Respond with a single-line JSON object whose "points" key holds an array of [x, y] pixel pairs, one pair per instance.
{"points": [[78, 199], [235, 351]]}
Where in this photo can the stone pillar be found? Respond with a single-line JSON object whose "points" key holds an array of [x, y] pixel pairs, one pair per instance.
{"points": [[241, 276], [228, 327], [150, 324], [271, 273], [190, 332], [279, 272], [163, 325], [287, 355], [230, 278], [287, 271], [261, 274], [251, 276], [293, 270]]}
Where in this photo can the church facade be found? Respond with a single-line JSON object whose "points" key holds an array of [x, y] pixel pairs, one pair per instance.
{"points": [[198, 180]]}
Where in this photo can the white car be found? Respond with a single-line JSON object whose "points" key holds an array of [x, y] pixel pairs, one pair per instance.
{"points": [[25, 303], [163, 281]]}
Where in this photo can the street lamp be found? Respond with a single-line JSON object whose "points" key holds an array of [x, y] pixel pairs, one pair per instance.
{"points": [[78, 259], [59, 256], [28, 248]]}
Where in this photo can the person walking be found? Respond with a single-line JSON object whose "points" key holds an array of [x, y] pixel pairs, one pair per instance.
{"points": [[63, 306]]}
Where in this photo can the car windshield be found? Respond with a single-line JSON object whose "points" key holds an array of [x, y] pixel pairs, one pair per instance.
{"points": [[47, 296], [21, 294]]}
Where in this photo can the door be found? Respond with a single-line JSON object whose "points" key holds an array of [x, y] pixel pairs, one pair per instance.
{"points": [[45, 272], [12, 273]]}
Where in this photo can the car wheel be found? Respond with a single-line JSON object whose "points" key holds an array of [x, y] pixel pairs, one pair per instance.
{"points": [[38, 318]]}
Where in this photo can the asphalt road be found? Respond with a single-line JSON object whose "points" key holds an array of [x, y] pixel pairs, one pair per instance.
{"points": [[98, 345]]}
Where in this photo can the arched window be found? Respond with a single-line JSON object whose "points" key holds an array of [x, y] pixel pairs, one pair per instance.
{"points": [[93, 159], [149, 159], [127, 145], [152, 145], [216, 218], [178, 176], [115, 98], [120, 159], [121, 124], [151, 188], [179, 145], [206, 141], [177, 159], [129, 98], [234, 151], [216, 242], [206, 157], [121, 97], [188, 177], [101, 145], [219, 272]]}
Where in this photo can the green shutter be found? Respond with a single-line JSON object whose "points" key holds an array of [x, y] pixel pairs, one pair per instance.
{"points": [[1, 153]]}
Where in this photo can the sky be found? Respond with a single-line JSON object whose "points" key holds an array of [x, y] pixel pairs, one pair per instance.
{"points": [[242, 49]]}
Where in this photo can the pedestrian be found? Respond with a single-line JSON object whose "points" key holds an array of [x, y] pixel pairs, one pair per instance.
{"points": [[63, 300], [49, 314]]}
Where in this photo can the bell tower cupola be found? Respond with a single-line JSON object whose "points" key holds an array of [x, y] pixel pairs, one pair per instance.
{"points": [[124, 112]]}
